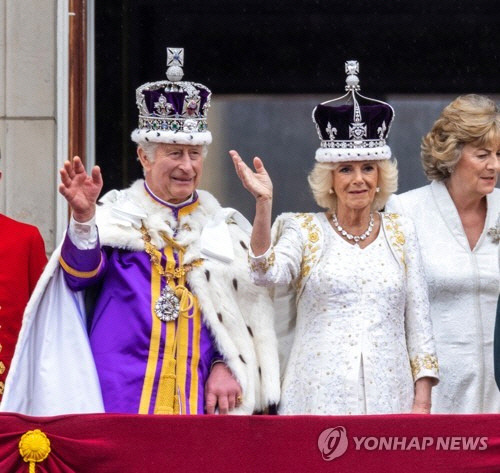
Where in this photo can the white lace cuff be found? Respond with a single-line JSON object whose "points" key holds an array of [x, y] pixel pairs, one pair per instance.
{"points": [[83, 234], [424, 365], [261, 264]]}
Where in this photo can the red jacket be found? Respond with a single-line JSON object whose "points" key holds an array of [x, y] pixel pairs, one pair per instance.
{"points": [[22, 259]]}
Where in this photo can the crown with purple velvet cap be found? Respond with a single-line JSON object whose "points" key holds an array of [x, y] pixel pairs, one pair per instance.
{"points": [[352, 127], [173, 111]]}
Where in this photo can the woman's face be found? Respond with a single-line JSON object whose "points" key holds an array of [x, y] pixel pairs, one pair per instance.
{"points": [[355, 184], [477, 170]]}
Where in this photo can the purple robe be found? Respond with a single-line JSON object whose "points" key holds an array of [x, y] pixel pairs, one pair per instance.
{"points": [[130, 345]]}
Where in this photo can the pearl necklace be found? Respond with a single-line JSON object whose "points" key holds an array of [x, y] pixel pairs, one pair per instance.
{"points": [[350, 237]]}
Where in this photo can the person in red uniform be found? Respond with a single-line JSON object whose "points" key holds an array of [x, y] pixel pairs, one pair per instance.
{"points": [[22, 259]]}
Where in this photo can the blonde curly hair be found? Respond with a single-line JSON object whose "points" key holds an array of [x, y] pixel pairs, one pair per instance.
{"points": [[468, 119], [320, 182]]}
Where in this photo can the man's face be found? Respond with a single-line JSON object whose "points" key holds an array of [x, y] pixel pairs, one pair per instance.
{"points": [[175, 172]]}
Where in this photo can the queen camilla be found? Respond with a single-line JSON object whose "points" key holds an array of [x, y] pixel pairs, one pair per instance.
{"points": [[363, 340]]}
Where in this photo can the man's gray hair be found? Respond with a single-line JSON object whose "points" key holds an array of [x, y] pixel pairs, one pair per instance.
{"points": [[150, 148]]}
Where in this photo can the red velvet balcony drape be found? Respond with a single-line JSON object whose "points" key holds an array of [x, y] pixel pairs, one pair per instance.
{"points": [[106, 443]]}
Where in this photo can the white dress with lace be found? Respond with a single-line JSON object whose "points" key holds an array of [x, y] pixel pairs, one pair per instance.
{"points": [[464, 285], [362, 322]]}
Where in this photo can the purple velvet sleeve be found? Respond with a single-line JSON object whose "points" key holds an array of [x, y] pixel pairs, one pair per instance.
{"points": [[82, 268], [217, 356]]}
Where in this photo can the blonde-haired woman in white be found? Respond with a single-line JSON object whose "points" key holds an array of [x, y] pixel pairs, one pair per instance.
{"points": [[457, 227], [363, 339]]}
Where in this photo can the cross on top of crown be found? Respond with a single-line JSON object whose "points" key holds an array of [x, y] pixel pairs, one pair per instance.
{"points": [[175, 61], [175, 57], [352, 80]]}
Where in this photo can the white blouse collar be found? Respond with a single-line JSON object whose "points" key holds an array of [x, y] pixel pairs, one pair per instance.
{"points": [[449, 213]]}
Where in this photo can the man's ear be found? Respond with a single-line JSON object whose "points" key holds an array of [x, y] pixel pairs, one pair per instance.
{"points": [[141, 154]]}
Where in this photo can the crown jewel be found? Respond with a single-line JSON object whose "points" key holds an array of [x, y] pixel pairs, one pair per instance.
{"points": [[175, 61], [352, 127], [172, 110]]}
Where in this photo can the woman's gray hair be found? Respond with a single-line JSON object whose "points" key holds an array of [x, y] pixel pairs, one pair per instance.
{"points": [[468, 119], [320, 182]]}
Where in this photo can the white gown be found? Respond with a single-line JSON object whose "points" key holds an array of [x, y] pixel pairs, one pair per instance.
{"points": [[361, 324], [463, 291]]}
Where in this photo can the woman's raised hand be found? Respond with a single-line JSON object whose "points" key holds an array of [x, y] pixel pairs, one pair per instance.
{"points": [[258, 183], [79, 189]]}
